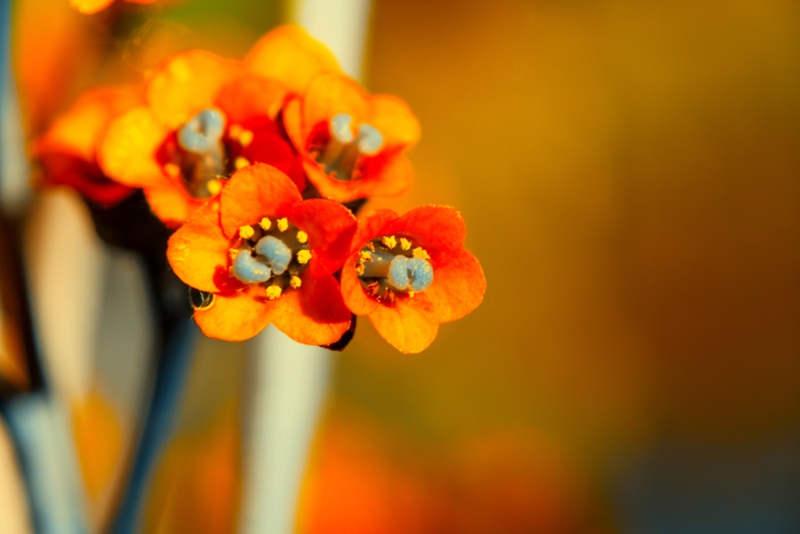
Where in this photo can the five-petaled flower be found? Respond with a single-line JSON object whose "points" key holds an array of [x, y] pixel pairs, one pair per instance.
{"points": [[410, 273], [352, 143], [204, 117], [267, 256], [68, 150]]}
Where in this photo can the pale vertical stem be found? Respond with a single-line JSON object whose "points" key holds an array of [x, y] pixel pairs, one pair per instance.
{"points": [[286, 390], [288, 381], [13, 503], [44, 449]]}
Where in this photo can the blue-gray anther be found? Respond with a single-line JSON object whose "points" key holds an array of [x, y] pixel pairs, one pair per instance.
{"points": [[250, 270], [340, 156], [398, 273], [370, 140], [341, 128], [278, 256], [203, 132], [201, 138], [421, 273]]}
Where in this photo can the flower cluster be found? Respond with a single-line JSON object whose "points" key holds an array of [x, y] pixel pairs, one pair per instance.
{"points": [[258, 165]]}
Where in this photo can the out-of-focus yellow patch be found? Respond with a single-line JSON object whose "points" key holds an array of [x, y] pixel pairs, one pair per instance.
{"points": [[197, 488], [98, 440]]}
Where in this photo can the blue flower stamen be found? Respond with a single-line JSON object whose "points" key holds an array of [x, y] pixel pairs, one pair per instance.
{"points": [[341, 153], [204, 160], [398, 273], [369, 140], [250, 270], [277, 255], [203, 132], [420, 271]]}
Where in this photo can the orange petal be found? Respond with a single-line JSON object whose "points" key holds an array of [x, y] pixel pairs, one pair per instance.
{"points": [[408, 328], [197, 250], [234, 316], [327, 96], [291, 55], [171, 203], [439, 229], [293, 123], [354, 297], [315, 314], [128, 152], [457, 288], [88, 7], [392, 180], [186, 83], [80, 130], [371, 227], [253, 192], [330, 228], [251, 96], [394, 119]]}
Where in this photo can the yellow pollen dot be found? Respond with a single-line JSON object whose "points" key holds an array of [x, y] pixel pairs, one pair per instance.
{"points": [[296, 282], [389, 241], [274, 292], [246, 232], [214, 187], [233, 253], [303, 257], [302, 237], [405, 244], [365, 255], [420, 252], [283, 224], [245, 138], [265, 224], [411, 294], [172, 170], [241, 162], [359, 269], [235, 131]]}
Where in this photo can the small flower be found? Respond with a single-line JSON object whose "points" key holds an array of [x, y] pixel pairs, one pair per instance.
{"points": [[68, 150], [406, 293], [352, 143], [206, 117], [266, 275]]}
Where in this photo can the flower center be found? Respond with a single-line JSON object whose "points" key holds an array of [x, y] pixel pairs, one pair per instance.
{"points": [[272, 254], [389, 268], [340, 155], [202, 158], [205, 158]]}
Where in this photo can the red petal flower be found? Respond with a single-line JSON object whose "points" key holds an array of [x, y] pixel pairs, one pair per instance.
{"points": [[68, 150], [229, 109], [352, 143], [298, 293], [410, 273]]}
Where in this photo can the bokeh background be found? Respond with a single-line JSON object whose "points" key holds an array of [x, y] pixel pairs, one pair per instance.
{"points": [[629, 174]]}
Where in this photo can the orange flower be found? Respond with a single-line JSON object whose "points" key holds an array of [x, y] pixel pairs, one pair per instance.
{"points": [[89, 7], [352, 143], [410, 273], [205, 117], [68, 150], [267, 257]]}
